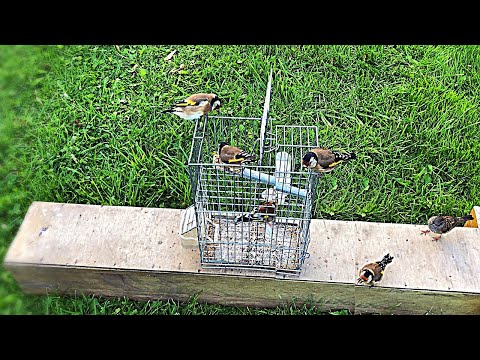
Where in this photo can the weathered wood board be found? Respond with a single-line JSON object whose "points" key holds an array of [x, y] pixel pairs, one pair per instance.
{"points": [[136, 252]]}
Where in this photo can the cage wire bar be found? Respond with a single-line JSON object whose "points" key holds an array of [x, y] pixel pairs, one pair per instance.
{"points": [[223, 194]]}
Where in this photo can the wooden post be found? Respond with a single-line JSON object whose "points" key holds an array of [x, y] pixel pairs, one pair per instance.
{"points": [[476, 214], [137, 252]]}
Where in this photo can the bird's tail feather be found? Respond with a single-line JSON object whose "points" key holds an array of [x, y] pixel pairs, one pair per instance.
{"points": [[387, 259], [344, 156], [246, 157], [167, 110], [465, 218]]}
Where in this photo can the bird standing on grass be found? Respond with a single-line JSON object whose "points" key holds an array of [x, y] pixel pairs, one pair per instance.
{"points": [[324, 160], [195, 106], [266, 212], [373, 272], [444, 223], [233, 155]]}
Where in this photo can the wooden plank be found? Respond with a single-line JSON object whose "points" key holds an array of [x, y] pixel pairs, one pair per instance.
{"points": [[143, 239], [239, 290], [103, 236], [450, 264], [55, 239], [136, 252], [386, 300], [332, 252], [234, 290]]}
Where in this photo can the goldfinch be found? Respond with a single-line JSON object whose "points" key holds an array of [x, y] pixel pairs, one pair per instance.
{"points": [[266, 211], [373, 272], [324, 160], [233, 155], [195, 106], [444, 223]]}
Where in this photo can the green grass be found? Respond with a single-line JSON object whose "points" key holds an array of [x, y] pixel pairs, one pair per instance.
{"points": [[82, 124], [90, 305]]}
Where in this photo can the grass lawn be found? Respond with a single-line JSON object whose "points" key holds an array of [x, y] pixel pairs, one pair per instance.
{"points": [[82, 124]]}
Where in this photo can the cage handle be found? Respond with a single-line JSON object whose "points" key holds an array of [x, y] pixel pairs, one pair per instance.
{"points": [[266, 109]]}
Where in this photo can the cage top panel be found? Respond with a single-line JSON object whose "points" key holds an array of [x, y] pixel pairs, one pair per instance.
{"points": [[244, 134]]}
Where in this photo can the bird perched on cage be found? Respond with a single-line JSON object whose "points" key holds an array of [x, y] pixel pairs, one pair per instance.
{"points": [[195, 106], [325, 160], [442, 224], [266, 212], [373, 272], [233, 155]]}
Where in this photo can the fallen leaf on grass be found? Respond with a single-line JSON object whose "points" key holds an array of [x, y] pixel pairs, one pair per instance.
{"points": [[182, 66], [169, 56]]}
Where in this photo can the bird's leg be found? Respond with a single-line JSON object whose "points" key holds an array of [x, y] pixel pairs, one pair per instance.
{"points": [[424, 232], [436, 238]]}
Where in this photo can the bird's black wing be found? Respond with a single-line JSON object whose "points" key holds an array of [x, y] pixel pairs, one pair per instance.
{"points": [[197, 99]]}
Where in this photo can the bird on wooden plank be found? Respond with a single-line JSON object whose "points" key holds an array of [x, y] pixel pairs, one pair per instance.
{"points": [[233, 155], [442, 224], [373, 272], [266, 212], [323, 160], [195, 106]]}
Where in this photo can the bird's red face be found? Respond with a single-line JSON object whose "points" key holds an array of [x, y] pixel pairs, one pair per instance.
{"points": [[363, 278]]}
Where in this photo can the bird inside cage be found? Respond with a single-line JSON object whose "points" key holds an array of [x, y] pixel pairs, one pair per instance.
{"points": [[265, 212], [195, 106]]}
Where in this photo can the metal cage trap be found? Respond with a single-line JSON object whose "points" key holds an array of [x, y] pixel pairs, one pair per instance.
{"points": [[254, 215]]}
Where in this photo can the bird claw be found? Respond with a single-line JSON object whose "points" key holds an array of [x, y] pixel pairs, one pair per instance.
{"points": [[424, 232], [436, 238]]}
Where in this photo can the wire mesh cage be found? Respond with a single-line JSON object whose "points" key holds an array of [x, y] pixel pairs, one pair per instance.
{"points": [[254, 215]]}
